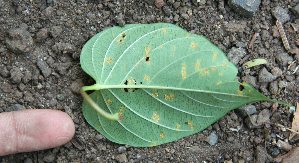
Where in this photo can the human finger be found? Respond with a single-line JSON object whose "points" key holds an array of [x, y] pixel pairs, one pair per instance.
{"points": [[36, 129]]}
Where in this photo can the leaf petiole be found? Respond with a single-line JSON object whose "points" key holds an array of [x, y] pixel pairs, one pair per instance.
{"points": [[98, 109]]}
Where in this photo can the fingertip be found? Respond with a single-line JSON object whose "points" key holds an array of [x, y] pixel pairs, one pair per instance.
{"points": [[36, 129]]}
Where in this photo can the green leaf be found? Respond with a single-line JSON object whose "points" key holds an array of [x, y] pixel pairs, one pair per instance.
{"points": [[254, 62], [163, 82]]}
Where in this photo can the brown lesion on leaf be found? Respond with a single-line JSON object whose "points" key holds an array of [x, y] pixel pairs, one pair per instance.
{"points": [[213, 68], [147, 58], [121, 118], [207, 71], [119, 41]]}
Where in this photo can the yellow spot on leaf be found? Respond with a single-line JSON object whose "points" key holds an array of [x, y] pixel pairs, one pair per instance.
{"points": [[120, 111], [109, 60], [178, 127], [187, 35], [156, 117], [223, 64], [244, 84], [164, 31], [161, 46], [108, 101], [249, 91], [155, 95], [133, 47], [147, 78], [207, 71], [214, 57], [240, 93], [153, 144], [219, 83], [197, 64], [184, 71], [154, 89], [193, 45], [190, 123], [173, 48], [221, 73], [100, 126], [187, 103], [162, 135], [168, 97], [102, 63]]}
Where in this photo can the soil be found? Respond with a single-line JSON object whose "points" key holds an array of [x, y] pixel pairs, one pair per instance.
{"points": [[40, 45]]}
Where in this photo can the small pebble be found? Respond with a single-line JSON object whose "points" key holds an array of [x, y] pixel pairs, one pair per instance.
{"points": [[121, 149], [265, 76], [213, 138], [280, 14]]}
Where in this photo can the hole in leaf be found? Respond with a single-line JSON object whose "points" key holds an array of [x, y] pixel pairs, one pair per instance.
{"points": [[241, 88], [140, 82], [126, 83], [147, 58], [123, 35]]}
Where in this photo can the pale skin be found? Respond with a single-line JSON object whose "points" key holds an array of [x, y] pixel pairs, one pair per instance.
{"points": [[33, 130]]}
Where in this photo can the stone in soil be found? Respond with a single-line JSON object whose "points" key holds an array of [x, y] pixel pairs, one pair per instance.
{"points": [[15, 107], [280, 14], [49, 157], [245, 110], [212, 138], [265, 76], [283, 59], [236, 54], [61, 47], [19, 40], [250, 79], [16, 75], [42, 35], [246, 8], [295, 11], [121, 158], [261, 155], [45, 69]]}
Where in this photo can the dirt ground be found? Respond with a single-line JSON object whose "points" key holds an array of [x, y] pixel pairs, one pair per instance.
{"points": [[40, 45]]}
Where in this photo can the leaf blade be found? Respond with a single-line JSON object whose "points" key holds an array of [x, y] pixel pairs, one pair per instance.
{"points": [[185, 83]]}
